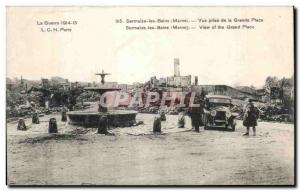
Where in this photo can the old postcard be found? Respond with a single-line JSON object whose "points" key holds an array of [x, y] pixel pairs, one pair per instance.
{"points": [[124, 95]]}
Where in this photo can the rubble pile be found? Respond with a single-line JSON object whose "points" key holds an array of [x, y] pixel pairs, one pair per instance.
{"points": [[275, 113], [87, 96], [267, 112], [21, 103]]}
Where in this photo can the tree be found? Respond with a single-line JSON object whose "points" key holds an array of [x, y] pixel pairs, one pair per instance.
{"points": [[284, 83], [271, 81]]}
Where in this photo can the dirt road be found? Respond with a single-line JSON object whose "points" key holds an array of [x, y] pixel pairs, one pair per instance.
{"points": [[136, 156]]}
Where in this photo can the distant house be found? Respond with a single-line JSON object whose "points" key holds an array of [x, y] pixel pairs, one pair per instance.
{"points": [[224, 90], [262, 95]]}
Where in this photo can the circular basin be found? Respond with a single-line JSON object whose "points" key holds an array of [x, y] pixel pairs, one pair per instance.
{"points": [[116, 118]]}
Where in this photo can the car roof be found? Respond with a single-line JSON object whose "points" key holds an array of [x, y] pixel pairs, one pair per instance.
{"points": [[218, 96]]}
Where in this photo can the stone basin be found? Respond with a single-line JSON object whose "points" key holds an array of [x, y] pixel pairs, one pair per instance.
{"points": [[116, 118]]}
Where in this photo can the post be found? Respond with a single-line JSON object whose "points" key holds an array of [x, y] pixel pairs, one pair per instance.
{"points": [[35, 118], [157, 125], [52, 126], [21, 124], [64, 114], [102, 125]]}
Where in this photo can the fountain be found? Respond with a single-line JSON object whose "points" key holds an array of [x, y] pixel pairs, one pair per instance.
{"points": [[116, 118]]}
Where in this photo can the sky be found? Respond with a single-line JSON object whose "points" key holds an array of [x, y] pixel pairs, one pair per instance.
{"points": [[97, 42]]}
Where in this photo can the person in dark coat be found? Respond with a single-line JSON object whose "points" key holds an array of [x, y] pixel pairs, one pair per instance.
{"points": [[196, 117], [250, 118], [195, 114]]}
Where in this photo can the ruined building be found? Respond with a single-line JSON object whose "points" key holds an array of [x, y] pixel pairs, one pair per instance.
{"points": [[172, 81]]}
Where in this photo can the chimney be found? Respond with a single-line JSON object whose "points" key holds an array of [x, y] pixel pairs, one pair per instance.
{"points": [[176, 67], [196, 80]]}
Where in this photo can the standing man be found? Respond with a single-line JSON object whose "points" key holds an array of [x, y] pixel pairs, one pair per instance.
{"points": [[250, 118], [195, 114]]}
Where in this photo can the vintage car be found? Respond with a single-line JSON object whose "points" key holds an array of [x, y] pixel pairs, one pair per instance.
{"points": [[217, 112]]}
